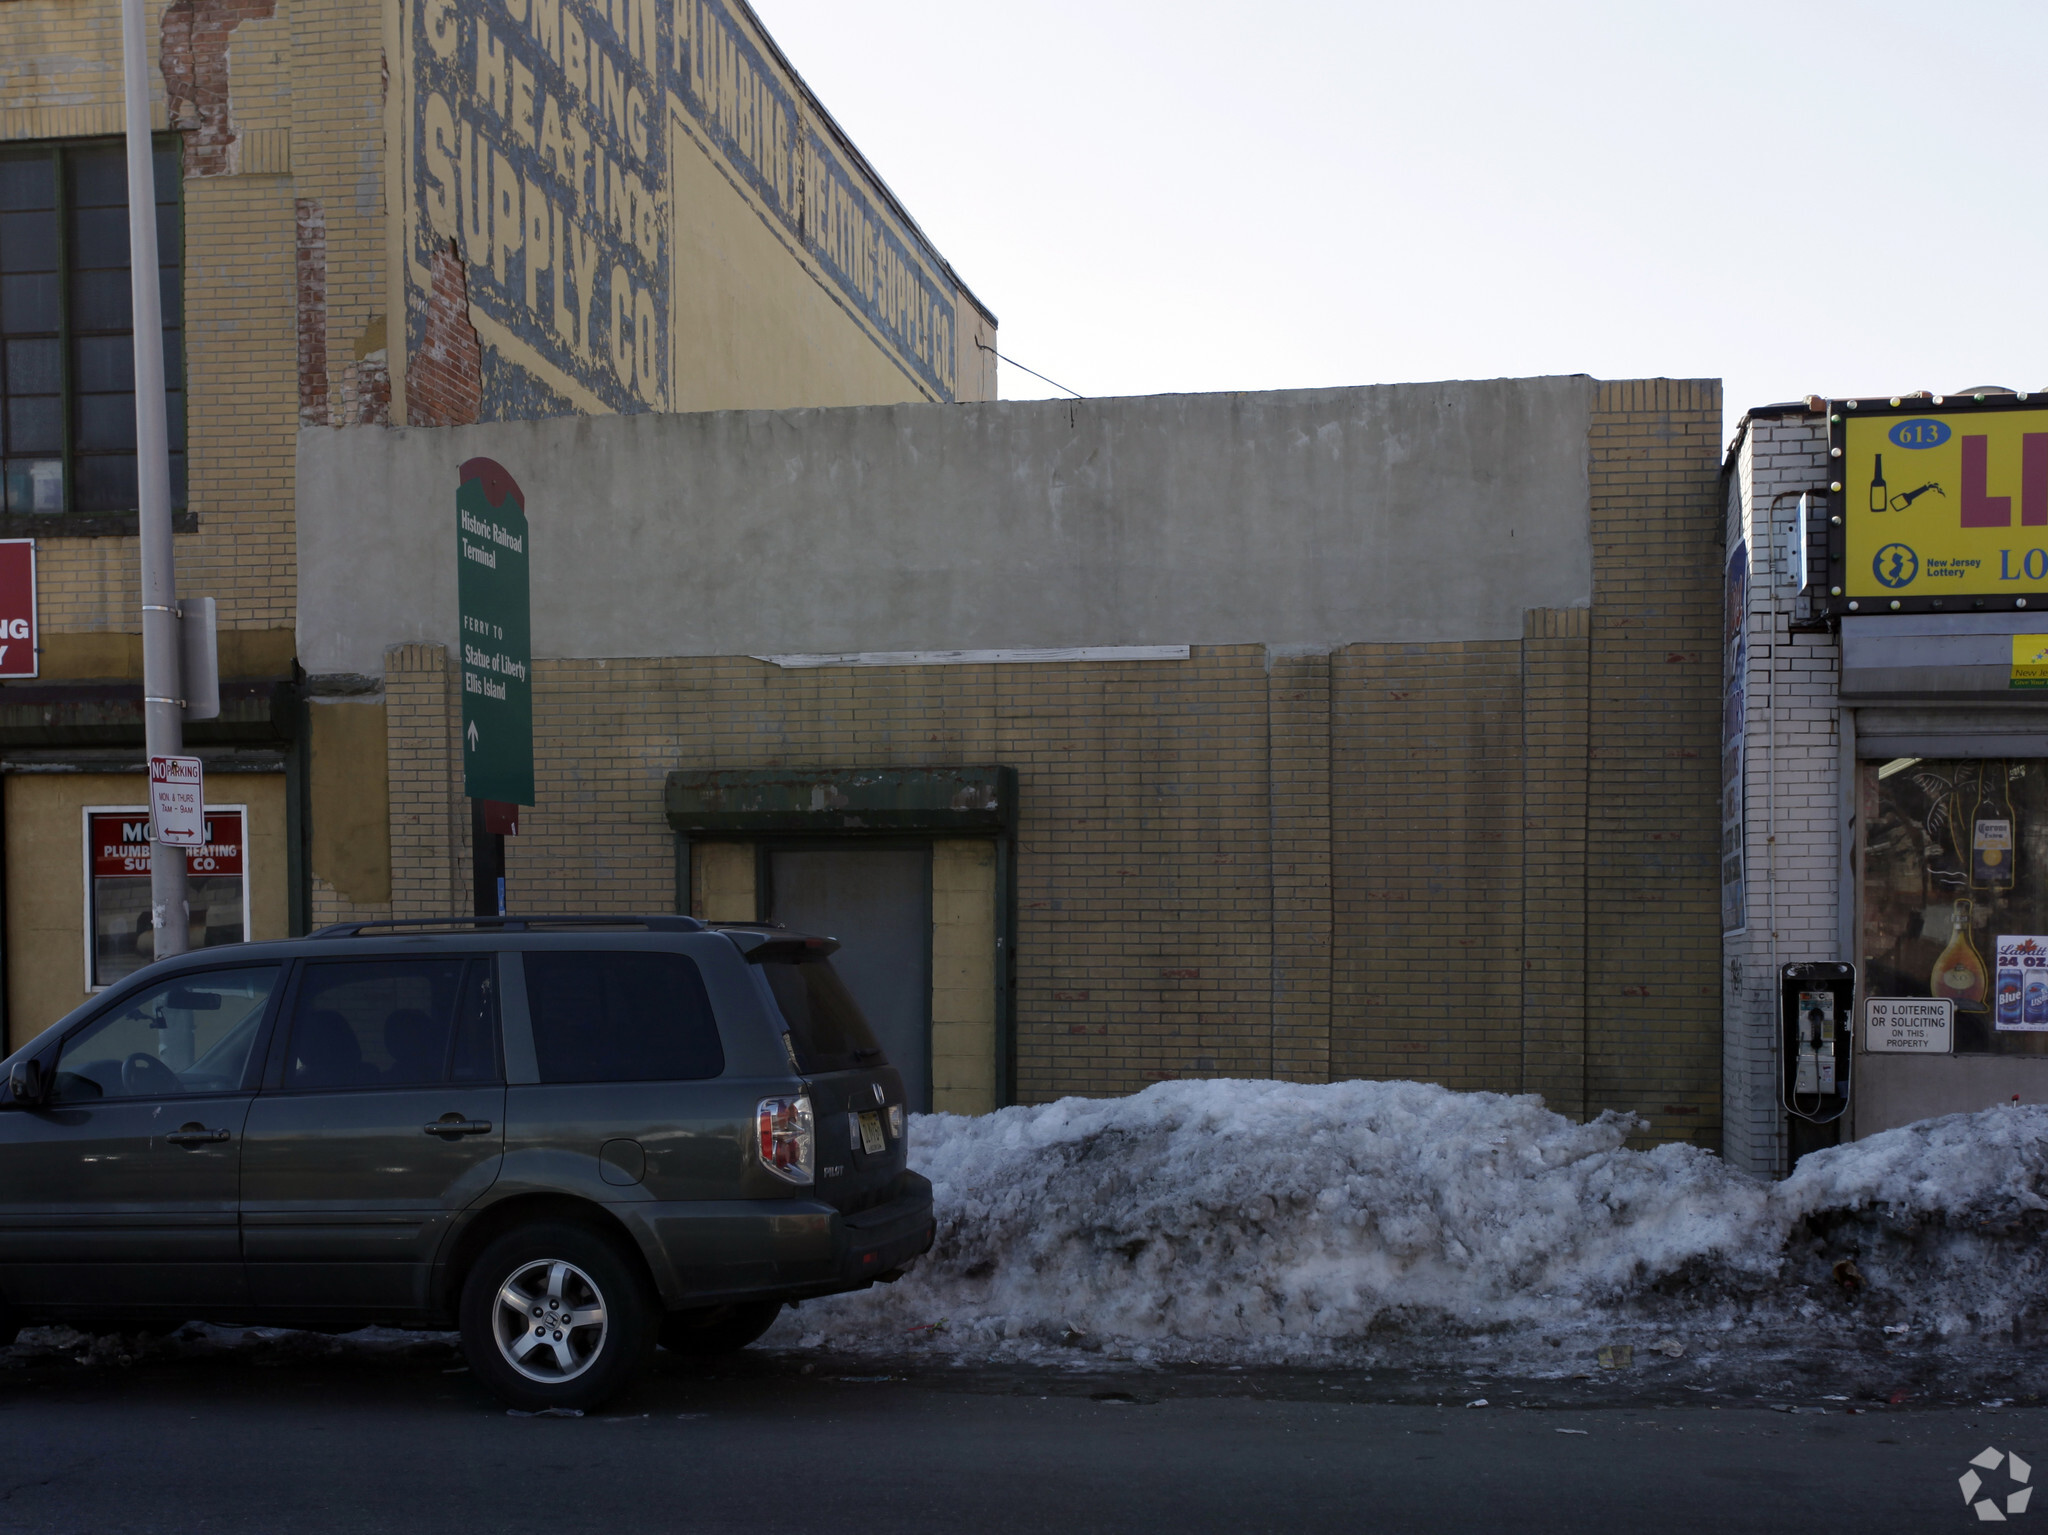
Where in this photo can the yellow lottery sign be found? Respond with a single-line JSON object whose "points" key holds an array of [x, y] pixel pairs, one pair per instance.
{"points": [[1938, 505], [2030, 661]]}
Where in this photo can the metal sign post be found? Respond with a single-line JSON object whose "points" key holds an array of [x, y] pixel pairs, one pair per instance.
{"points": [[162, 694], [492, 592]]}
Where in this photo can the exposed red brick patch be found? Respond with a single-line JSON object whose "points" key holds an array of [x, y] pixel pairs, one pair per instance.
{"points": [[366, 393], [444, 379], [312, 300], [194, 59], [1182, 975]]}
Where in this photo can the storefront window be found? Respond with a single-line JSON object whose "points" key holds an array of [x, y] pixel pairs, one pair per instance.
{"points": [[119, 939], [1955, 893]]}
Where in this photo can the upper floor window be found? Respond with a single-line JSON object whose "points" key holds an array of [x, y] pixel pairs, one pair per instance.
{"points": [[67, 360]]}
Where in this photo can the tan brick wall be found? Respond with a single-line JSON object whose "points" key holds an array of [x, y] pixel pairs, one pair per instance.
{"points": [[1555, 651], [1426, 815], [1653, 975], [241, 355], [1298, 785]]}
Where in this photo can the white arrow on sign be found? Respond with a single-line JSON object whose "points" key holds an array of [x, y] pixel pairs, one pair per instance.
{"points": [[472, 735]]}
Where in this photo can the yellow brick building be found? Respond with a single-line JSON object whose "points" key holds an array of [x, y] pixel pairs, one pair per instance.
{"points": [[378, 213]]}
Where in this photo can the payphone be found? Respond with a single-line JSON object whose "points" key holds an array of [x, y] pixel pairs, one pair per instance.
{"points": [[1817, 1003]]}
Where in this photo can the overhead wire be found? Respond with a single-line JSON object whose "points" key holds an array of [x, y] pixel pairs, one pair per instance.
{"points": [[1032, 371]]}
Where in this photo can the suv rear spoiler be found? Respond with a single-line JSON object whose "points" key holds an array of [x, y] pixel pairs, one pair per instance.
{"points": [[791, 951], [653, 924]]}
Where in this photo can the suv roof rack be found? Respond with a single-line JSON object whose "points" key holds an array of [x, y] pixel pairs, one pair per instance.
{"points": [[662, 923]]}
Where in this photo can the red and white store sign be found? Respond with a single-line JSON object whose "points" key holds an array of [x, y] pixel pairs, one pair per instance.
{"points": [[18, 656], [120, 845]]}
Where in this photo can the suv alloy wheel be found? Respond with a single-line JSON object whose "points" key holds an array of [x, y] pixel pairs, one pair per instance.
{"points": [[554, 1315]]}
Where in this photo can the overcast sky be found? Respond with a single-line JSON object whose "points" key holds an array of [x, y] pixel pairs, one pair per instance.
{"points": [[1795, 197]]}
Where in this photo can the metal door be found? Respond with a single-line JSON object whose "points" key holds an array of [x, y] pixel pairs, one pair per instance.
{"points": [[878, 903]]}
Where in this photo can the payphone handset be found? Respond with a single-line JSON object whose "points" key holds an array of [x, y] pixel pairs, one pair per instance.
{"points": [[1816, 1002]]}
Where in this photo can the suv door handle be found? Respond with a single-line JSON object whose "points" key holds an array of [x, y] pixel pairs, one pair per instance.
{"points": [[453, 1127], [195, 1135]]}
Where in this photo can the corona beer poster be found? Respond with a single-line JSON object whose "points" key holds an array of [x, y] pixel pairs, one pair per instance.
{"points": [[1941, 508]]}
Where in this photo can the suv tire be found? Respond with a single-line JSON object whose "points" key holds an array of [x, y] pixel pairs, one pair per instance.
{"points": [[592, 1317], [712, 1330]]}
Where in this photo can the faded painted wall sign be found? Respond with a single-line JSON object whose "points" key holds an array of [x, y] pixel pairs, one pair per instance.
{"points": [[493, 594], [749, 105], [539, 150]]}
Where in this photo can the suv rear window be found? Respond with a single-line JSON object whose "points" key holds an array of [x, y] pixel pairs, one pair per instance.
{"points": [[620, 1016], [827, 1029]]}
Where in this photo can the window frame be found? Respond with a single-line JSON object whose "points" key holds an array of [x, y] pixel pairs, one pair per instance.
{"points": [[69, 521], [278, 1058], [528, 956], [1870, 799], [116, 997], [90, 891]]}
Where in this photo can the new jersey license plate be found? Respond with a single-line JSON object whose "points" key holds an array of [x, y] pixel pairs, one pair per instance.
{"points": [[871, 1132]]}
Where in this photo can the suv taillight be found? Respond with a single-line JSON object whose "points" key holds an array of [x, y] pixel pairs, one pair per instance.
{"points": [[789, 1146]]}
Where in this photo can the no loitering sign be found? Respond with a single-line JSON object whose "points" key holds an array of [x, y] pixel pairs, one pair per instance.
{"points": [[492, 591], [1909, 1025]]}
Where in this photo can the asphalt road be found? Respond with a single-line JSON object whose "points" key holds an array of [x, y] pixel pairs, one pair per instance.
{"points": [[284, 1444]]}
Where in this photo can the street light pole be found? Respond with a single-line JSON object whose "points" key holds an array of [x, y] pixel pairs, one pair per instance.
{"points": [[162, 693]]}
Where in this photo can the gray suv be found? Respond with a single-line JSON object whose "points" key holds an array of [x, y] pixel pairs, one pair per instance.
{"points": [[571, 1137]]}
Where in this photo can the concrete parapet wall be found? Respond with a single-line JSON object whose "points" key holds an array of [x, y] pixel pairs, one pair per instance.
{"points": [[1302, 519]]}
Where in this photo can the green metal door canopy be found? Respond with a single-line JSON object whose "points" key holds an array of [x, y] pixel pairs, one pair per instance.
{"points": [[842, 799]]}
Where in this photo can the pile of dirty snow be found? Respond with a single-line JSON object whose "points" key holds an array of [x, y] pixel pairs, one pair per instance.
{"points": [[1280, 1221]]}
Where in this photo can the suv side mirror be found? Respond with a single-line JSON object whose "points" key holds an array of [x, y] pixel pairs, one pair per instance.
{"points": [[25, 1084]]}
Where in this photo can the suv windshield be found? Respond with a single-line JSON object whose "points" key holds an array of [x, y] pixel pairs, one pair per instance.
{"points": [[827, 1030]]}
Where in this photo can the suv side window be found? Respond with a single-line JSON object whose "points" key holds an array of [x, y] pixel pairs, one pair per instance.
{"points": [[191, 1034], [620, 1016], [392, 1023]]}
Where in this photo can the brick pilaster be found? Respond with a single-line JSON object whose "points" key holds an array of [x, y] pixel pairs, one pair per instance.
{"points": [[1298, 796], [1555, 652]]}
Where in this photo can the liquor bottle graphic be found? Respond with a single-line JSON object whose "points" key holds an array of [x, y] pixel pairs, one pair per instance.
{"points": [[1959, 974], [1880, 493], [1906, 498], [1991, 831]]}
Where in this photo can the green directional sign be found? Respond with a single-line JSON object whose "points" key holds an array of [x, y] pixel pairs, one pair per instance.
{"points": [[497, 635]]}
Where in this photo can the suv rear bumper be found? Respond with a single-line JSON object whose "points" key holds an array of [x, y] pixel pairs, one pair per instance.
{"points": [[878, 1240], [707, 1250]]}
